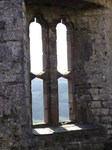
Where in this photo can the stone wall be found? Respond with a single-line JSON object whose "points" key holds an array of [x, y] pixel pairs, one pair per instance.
{"points": [[91, 71], [14, 122], [93, 67]]}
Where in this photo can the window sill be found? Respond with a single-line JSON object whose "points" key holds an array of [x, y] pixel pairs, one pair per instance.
{"points": [[69, 136], [50, 130]]}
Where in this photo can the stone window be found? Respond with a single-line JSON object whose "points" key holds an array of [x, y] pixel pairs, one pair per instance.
{"points": [[51, 75]]}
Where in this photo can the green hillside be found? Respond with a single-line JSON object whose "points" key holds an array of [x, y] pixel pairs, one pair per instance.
{"points": [[37, 100]]}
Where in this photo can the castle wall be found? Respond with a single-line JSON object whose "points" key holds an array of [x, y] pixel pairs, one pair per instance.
{"points": [[14, 120], [91, 64]]}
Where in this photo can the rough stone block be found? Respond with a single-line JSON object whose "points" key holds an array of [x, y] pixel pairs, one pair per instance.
{"points": [[106, 119], [95, 104], [100, 111], [107, 104]]}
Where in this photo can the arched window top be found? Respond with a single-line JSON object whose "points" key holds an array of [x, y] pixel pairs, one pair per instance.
{"points": [[35, 29], [61, 31]]}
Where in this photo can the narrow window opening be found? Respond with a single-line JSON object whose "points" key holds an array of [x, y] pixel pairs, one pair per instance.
{"points": [[62, 67], [37, 101], [36, 67], [62, 48], [63, 99], [36, 47]]}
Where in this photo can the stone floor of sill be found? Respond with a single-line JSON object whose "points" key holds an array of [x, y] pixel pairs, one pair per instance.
{"points": [[63, 128]]}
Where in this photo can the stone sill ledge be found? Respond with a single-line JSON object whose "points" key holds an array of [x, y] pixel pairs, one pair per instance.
{"points": [[50, 130]]}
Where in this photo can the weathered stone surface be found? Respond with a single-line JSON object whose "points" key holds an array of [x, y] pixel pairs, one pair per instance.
{"points": [[95, 104], [98, 111]]}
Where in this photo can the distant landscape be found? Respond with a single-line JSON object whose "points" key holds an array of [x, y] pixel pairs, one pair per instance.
{"points": [[37, 100]]}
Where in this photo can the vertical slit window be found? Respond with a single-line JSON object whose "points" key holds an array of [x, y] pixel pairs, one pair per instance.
{"points": [[62, 67], [36, 67], [63, 99], [36, 48], [37, 101], [62, 48]]}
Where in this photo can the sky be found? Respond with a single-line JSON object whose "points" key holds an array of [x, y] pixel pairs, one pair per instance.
{"points": [[36, 48]]}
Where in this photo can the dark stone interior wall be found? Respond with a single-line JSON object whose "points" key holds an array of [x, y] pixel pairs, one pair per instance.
{"points": [[93, 63], [92, 66]]}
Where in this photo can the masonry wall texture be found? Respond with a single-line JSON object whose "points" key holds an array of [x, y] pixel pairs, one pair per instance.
{"points": [[90, 23]]}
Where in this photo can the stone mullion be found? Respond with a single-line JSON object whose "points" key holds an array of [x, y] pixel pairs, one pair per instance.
{"points": [[45, 76], [54, 118], [70, 74], [69, 48], [71, 100]]}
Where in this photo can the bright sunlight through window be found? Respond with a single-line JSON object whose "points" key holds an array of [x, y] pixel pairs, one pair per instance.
{"points": [[61, 48], [36, 47]]}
